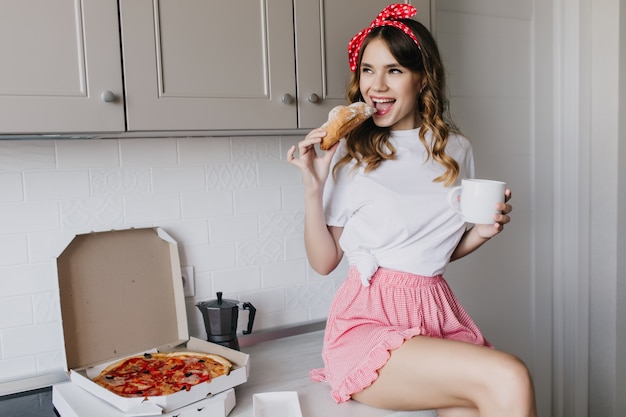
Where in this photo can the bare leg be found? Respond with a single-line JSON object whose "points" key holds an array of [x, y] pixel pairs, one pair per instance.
{"points": [[458, 378]]}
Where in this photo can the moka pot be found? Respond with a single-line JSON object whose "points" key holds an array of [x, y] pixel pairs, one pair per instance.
{"points": [[220, 320]]}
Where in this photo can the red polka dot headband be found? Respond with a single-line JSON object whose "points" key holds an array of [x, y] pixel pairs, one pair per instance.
{"points": [[388, 17]]}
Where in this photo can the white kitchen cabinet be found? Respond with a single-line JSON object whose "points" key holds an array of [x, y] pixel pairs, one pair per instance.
{"points": [[184, 65], [61, 66]]}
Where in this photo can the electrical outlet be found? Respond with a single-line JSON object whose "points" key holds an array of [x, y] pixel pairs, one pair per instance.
{"points": [[189, 284]]}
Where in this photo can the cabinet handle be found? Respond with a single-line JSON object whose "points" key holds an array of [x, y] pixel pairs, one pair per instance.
{"points": [[314, 98], [287, 98], [107, 96]]}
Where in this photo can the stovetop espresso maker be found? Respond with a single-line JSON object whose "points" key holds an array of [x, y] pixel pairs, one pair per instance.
{"points": [[220, 320]]}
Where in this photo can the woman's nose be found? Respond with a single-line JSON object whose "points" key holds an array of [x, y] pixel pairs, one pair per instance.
{"points": [[379, 83]]}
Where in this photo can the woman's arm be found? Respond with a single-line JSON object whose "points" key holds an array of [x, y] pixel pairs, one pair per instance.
{"points": [[321, 241], [481, 233]]}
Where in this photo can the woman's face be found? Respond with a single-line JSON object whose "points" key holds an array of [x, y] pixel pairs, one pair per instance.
{"points": [[389, 87]]}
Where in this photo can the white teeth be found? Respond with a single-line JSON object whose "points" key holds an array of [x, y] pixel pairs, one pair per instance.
{"points": [[377, 100]]}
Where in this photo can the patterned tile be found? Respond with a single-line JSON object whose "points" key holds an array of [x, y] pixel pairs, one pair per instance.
{"points": [[47, 307], [231, 176], [260, 252], [281, 224], [92, 214], [310, 295], [120, 181], [51, 361]]}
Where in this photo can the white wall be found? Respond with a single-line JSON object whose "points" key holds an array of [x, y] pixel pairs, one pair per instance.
{"points": [[607, 367], [488, 49], [539, 88], [488, 61], [620, 366]]}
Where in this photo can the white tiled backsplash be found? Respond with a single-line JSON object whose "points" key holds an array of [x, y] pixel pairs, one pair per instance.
{"points": [[234, 205]]}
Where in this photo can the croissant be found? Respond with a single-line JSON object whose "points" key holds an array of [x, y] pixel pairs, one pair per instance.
{"points": [[342, 120]]}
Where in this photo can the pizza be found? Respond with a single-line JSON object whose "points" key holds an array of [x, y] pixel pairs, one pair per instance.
{"points": [[156, 374]]}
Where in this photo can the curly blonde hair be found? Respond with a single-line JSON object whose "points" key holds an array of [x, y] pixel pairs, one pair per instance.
{"points": [[369, 145]]}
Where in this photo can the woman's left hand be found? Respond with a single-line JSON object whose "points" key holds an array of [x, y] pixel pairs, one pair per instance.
{"points": [[487, 231]]}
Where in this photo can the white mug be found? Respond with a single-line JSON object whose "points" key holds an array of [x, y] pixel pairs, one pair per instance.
{"points": [[478, 199]]}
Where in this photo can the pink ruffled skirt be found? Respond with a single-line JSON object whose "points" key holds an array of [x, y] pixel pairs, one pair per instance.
{"points": [[366, 323]]}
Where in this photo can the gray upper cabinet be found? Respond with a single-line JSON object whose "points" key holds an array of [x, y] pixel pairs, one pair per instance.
{"points": [[61, 66], [201, 64], [186, 65]]}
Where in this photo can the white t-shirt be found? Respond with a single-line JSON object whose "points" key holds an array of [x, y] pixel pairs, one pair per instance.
{"points": [[396, 217]]}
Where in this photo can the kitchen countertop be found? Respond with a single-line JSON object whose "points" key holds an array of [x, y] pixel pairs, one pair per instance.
{"points": [[284, 364], [275, 365], [35, 403]]}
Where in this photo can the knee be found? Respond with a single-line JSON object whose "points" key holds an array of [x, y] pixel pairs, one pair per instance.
{"points": [[512, 385]]}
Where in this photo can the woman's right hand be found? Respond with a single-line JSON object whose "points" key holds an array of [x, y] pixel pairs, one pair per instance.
{"points": [[314, 168]]}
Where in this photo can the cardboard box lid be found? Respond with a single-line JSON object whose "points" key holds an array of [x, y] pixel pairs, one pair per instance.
{"points": [[121, 293]]}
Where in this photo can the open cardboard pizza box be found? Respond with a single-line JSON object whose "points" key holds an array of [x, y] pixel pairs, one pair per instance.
{"points": [[72, 401], [121, 294]]}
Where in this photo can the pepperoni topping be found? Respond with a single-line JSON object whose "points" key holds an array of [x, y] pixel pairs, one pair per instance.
{"points": [[159, 374]]}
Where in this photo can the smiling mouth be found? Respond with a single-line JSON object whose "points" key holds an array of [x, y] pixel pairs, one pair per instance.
{"points": [[382, 106]]}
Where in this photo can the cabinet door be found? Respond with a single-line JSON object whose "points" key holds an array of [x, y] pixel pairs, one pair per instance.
{"points": [[203, 64], [323, 29], [58, 58]]}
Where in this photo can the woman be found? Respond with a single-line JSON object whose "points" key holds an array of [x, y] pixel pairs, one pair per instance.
{"points": [[396, 336]]}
